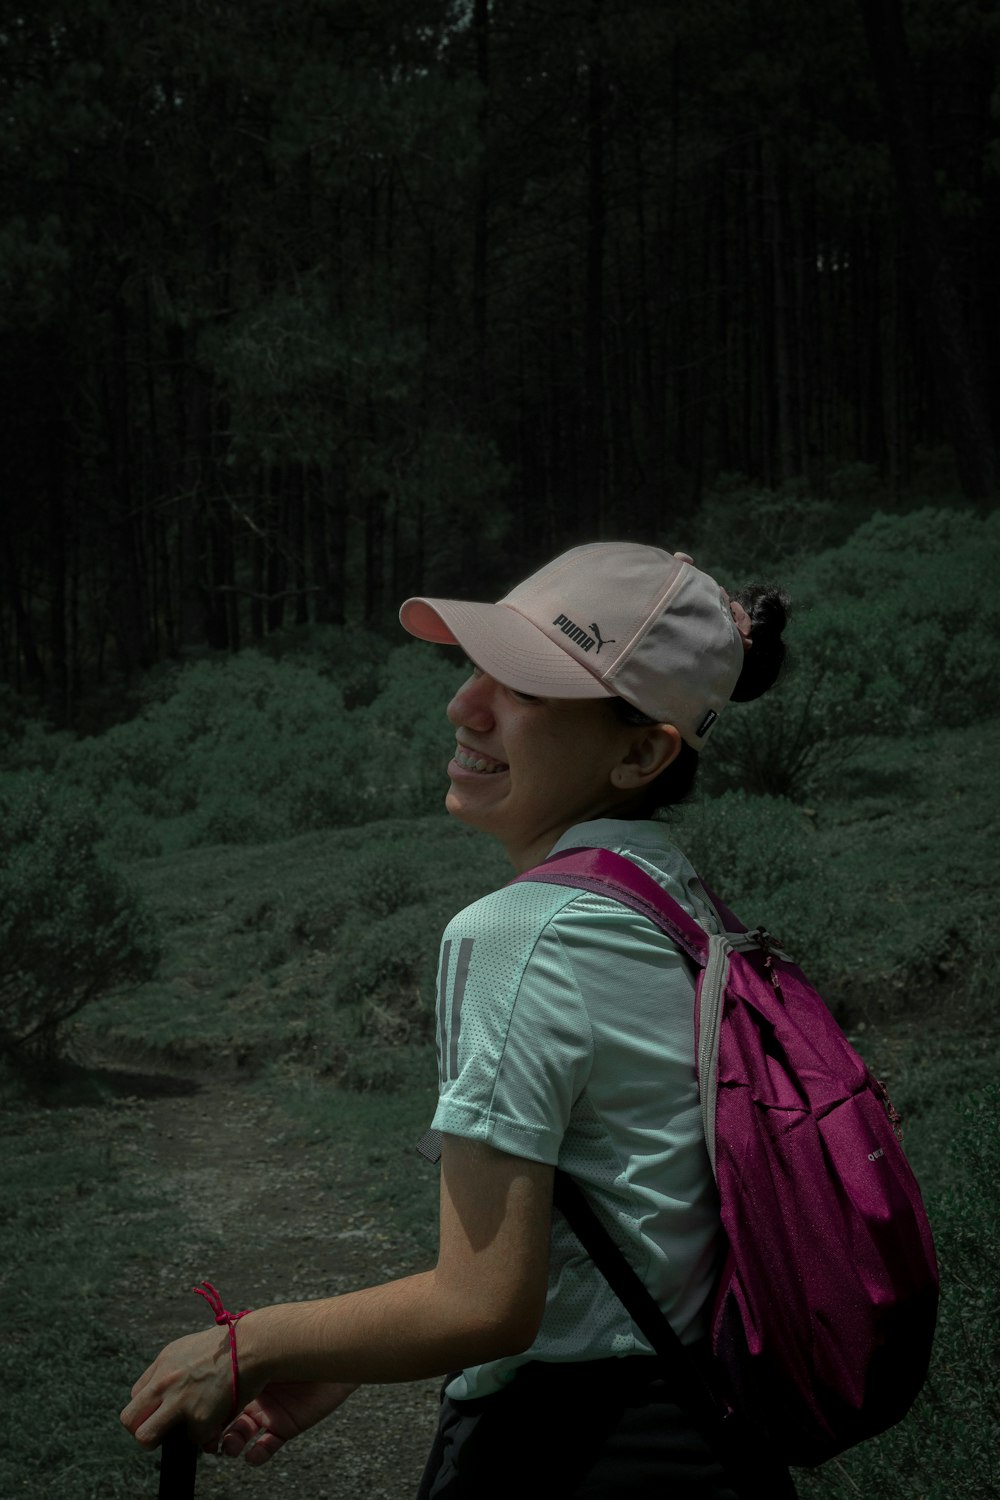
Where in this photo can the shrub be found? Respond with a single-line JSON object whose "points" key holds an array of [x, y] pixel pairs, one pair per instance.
{"points": [[70, 928], [743, 529], [26, 741], [241, 750], [750, 846], [916, 592], [833, 699], [387, 881], [891, 633], [388, 971], [348, 655], [250, 749], [406, 737]]}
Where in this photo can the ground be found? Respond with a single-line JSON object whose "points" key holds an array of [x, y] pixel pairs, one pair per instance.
{"points": [[267, 1222]]}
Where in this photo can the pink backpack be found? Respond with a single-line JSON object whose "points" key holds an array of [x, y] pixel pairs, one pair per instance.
{"points": [[826, 1302]]}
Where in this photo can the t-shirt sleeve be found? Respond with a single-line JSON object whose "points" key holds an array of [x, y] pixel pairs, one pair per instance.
{"points": [[515, 1046]]}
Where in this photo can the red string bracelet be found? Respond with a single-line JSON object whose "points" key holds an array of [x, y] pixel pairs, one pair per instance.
{"points": [[227, 1320]]}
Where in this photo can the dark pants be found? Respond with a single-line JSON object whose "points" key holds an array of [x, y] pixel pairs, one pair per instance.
{"points": [[590, 1431]]}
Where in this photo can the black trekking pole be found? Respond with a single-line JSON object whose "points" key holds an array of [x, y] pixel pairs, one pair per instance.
{"points": [[178, 1464]]}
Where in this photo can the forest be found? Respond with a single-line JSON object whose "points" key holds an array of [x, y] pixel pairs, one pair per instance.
{"points": [[305, 308]]}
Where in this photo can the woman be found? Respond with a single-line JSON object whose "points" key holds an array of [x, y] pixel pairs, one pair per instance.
{"points": [[565, 1035]]}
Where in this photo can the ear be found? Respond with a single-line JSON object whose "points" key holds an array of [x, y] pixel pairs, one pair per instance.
{"points": [[650, 752]]}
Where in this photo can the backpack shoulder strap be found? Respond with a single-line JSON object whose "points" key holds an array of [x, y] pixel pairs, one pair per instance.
{"points": [[609, 874]]}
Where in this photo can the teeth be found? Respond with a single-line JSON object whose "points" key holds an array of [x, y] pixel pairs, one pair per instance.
{"points": [[471, 762]]}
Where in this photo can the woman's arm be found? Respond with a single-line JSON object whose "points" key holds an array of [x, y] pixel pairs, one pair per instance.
{"points": [[483, 1299]]}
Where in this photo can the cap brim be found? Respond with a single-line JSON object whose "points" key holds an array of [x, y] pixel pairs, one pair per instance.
{"points": [[504, 644]]}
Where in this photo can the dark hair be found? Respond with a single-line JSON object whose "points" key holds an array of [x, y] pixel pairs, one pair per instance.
{"points": [[769, 609]]}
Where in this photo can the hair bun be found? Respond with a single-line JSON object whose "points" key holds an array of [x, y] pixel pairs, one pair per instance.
{"points": [[769, 609]]}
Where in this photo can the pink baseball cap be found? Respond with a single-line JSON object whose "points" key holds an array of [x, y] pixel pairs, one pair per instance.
{"points": [[611, 619]]}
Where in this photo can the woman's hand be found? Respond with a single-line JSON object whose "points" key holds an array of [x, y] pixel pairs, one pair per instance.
{"points": [[191, 1380], [484, 1299], [280, 1413]]}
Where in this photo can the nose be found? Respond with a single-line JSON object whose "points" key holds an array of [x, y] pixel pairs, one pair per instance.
{"points": [[472, 706]]}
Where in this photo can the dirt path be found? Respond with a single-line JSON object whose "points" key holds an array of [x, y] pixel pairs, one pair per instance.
{"points": [[267, 1223]]}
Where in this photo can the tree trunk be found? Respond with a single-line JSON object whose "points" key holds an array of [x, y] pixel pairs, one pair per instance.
{"points": [[28, 652], [277, 545], [374, 560], [593, 393], [785, 445], [258, 581], [481, 211], [60, 708], [297, 541], [959, 380]]}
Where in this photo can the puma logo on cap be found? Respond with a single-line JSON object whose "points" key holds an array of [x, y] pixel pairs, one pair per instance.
{"points": [[576, 632]]}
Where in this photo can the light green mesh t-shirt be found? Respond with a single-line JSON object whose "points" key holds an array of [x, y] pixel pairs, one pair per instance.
{"points": [[565, 1034]]}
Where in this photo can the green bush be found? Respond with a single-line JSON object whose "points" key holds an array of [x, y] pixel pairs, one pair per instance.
{"points": [[70, 927], [879, 891], [833, 699], [244, 730], [896, 631], [250, 749], [26, 741], [407, 738], [348, 655], [389, 968], [917, 594], [748, 847], [743, 529]]}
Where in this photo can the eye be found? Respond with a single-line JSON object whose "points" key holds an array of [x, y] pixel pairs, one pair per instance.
{"points": [[477, 672]]}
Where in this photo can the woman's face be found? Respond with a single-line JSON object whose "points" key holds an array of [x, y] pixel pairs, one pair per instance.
{"points": [[526, 769]]}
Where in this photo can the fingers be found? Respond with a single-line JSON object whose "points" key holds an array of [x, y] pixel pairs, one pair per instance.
{"points": [[143, 1416], [142, 1381], [139, 1418], [190, 1381], [149, 1420], [263, 1449], [251, 1438], [239, 1433], [149, 1424]]}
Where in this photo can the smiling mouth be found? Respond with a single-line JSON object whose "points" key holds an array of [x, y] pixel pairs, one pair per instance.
{"points": [[472, 760]]}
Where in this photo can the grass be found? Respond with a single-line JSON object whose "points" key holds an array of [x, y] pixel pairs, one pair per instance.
{"points": [[375, 1132], [68, 1229], [948, 1444]]}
